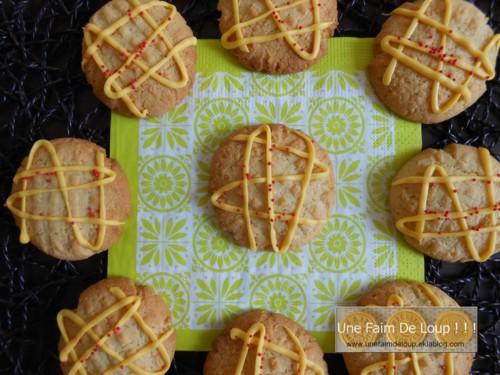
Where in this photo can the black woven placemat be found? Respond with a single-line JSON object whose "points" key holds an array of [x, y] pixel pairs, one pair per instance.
{"points": [[43, 94]]}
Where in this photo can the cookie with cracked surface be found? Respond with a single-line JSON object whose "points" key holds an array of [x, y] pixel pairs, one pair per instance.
{"points": [[277, 36], [139, 56], [117, 327], [262, 342], [60, 219], [446, 203], [408, 293], [433, 58], [272, 187]]}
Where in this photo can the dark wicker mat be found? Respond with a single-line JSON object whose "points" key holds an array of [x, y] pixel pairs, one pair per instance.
{"points": [[43, 94]]}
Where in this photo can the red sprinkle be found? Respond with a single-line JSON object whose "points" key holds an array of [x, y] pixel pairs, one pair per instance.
{"points": [[90, 212]]}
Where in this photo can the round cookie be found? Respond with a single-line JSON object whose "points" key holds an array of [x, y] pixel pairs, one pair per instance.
{"points": [[474, 185], [282, 214], [409, 90], [96, 217], [412, 294], [117, 327], [146, 66], [275, 332], [259, 42]]}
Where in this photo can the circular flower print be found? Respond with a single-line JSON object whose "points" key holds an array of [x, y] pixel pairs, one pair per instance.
{"points": [[175, 293], [279, 293], [379, 182], [164, 184], [216, 119], [214, 251], [338, 124], [278, 85], [340, 246]]}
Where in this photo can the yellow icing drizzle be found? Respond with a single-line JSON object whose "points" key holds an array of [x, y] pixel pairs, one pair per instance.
{"points": [[391, 363], [132, 305], [103, 174], [481, 69], [459, 214], [241, 42], [112, 88], [294, 218], [256, 336]]}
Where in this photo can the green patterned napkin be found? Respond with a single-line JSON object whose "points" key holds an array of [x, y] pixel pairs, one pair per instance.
{"points": [[171, 241]]}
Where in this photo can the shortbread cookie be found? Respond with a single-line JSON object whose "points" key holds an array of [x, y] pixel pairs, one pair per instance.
{"points": [[272, 187], [277, 36], [261, 343], [428, 68], [68, 199], [402, 293], [139, 56], [117, 328], [447, 203]]}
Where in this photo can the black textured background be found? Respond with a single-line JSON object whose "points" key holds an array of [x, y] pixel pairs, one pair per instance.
{"points": [[43, 94]]}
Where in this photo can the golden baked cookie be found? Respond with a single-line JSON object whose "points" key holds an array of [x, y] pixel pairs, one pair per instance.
{"points": [[262, 343], [117, 328], [139, 56], [403, 293], [433, 58], [272, 187], [277, 36], [447, 203], [68, 199]]}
